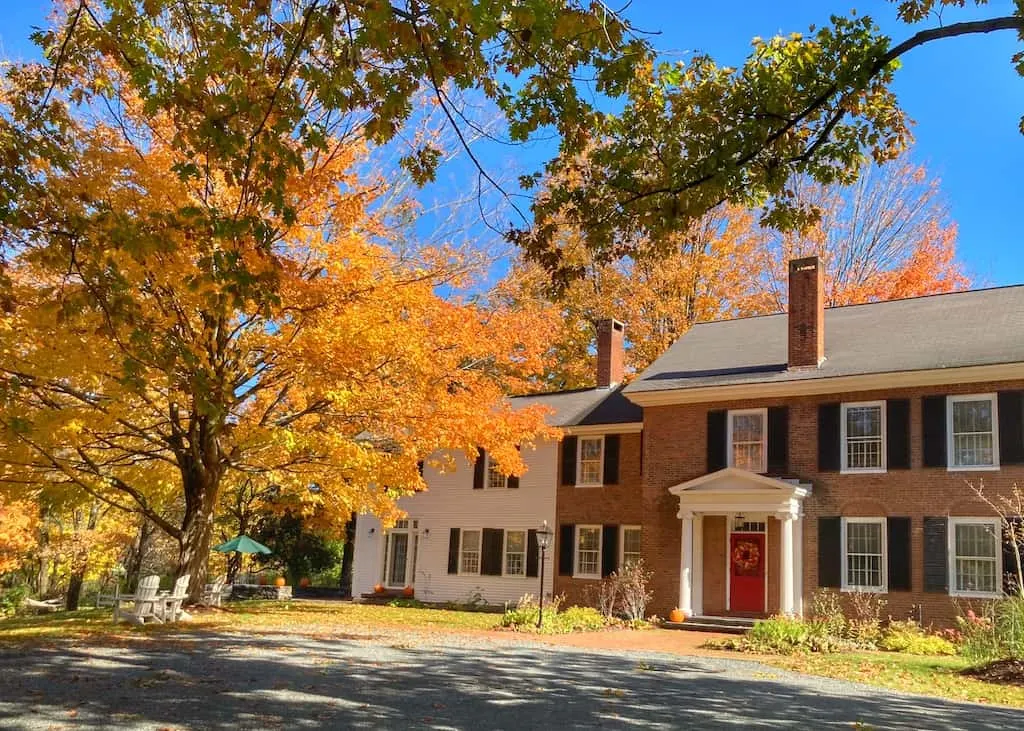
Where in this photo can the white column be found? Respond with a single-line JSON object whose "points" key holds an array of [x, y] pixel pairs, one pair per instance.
{"points": [[697, 575], [788, 560], [686, 566]]}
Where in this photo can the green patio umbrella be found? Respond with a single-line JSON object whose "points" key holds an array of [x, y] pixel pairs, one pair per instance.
{"points": [[242, 544]]}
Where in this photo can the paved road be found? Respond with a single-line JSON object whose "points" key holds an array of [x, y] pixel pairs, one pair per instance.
{"points": [[227, 681]]}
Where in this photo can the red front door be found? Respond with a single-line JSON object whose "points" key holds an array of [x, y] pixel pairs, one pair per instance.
{"points": [[746, 572]]}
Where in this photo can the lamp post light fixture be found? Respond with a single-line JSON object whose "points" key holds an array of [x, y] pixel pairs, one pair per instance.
{"points": [[544, 536]]}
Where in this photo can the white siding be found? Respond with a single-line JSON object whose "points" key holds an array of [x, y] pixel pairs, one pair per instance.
{"points": [[451, 502]]}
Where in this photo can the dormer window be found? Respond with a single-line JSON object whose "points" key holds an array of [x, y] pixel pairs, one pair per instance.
{"points": [[748, 439]]}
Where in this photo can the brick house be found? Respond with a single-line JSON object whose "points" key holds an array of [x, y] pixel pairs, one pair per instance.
{"points": [[829, 448]]}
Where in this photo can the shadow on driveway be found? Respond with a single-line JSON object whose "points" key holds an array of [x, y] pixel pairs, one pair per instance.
{"points": [[223, 681]]}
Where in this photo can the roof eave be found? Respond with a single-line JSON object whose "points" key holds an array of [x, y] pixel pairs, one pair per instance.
{"points": [[834, 384]]}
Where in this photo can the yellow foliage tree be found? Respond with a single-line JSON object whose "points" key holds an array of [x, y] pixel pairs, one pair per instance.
{"points": [[18, 522], [162, 331]]}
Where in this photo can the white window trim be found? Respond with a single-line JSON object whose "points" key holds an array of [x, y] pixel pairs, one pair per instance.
{"points": [[504, 552], [997, 525], [950, 400], [576, 552], [487, 474], [579, 461], [764, 436], [846, 586], [479, 551], [622, 542], [844, 451]]}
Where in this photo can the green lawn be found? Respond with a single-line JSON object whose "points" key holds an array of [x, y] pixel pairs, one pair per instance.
{"points": [[264, 616], [936, 676]]}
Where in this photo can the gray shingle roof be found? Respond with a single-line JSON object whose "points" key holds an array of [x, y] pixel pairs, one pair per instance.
{"points": [[981, 327], [582, 407]]}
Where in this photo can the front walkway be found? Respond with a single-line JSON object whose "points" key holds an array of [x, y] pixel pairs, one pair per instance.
{"points": [[396, 679]]}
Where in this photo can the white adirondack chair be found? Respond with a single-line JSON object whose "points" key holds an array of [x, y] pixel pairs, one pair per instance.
{"points": [[144, 603], [169, 606], [213, 593]]}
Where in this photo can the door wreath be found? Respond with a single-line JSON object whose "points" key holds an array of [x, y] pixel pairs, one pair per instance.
{"points": [[746, 557]]}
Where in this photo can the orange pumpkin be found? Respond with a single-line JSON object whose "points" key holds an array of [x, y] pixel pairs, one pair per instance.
{"points": [[676, 615], [304, 581], [378, 589], [279, 581], [408, 592]]}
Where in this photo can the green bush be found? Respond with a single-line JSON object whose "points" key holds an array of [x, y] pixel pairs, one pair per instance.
{"points": [[908, 636], [407, 603], [782, 635], [523, 617], [11, 600], [995, 634]]}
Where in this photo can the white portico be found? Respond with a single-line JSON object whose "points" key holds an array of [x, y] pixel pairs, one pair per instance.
{"points": [[734, 557]]}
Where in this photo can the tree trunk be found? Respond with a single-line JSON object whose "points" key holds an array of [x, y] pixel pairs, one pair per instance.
{"points": [[137, 553], [75, 589], [201, 489], [348, 557]]}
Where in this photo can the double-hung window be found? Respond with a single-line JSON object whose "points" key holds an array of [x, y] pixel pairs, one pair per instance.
{"points": [[630, 542], [495, 479], [748, 439], [588, 552], [975, 555], [863, 437], [864, 554], [469, 554], [973, 437], [590, 467], [515, 553]]}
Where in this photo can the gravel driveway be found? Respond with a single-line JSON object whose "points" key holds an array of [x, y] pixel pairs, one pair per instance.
{"points": [[398, 680]]}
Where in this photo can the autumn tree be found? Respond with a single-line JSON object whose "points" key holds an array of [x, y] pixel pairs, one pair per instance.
{"points": [[18, 523], [691, 135], [887, 236], [194, 288]]}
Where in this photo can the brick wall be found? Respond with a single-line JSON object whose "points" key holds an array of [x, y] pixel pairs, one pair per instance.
{"points": [[675, 444], [609, 505]]}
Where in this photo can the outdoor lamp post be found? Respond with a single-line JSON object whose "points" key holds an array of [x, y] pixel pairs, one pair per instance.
{"points": [[543, 541]]}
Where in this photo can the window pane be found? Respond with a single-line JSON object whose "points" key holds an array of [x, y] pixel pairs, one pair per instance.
{"points": [[864, 554], [746, 428], [972, 433], [976, 547], [863, 437], [515, 553], [590, 461], [747, 445], [588, 558], [630, 546], [470, 551], [591, 448], [495, 480]]}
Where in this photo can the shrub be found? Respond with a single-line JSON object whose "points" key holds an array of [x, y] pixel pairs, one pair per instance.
{"points": [[827, 612], [996, 634], [12, 599], [783, 635], [407, 603], [523, 617], [908, 636], [633, 591], [605, 596]]}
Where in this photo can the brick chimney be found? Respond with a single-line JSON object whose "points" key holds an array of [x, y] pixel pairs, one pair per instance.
{"points": [[806, 313], [611, 353]]}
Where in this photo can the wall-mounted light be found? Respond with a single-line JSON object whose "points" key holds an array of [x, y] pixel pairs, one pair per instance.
{"points": [[372, 530], [426, 532]]}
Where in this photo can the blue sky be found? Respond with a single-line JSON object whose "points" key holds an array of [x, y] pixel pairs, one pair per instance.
{"points": [[962, 93]]}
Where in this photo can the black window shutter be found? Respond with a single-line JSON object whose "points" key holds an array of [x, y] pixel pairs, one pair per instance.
{"points": [[569, 461], [513, 482], [936, 553], [419, 467], [717, 425], [566, 546], [1011, 427], [828, 437], [532, 553], [1012, 533], [830, 553], [609, 549], [491, 547], [453, 551], [778, 440], [479, 468], [897, 435], [898, 532], [933, 430], [611, 459]]}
